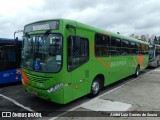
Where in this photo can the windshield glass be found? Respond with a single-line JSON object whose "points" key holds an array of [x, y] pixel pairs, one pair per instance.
{"points": [[151, 52], [42, 52]]}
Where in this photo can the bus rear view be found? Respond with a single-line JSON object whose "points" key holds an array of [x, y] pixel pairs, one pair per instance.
{"points": [[10, 57], [154, 55]]}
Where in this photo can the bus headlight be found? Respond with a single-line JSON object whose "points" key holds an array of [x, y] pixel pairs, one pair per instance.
{"points": [[55, 87]]}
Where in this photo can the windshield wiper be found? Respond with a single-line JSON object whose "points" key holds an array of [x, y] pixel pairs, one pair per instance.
{"points": [[46, 34]]}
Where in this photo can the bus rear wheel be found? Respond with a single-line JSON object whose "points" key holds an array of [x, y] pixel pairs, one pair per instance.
{"points": [[95, 88], [137, 71], [157, 64]]}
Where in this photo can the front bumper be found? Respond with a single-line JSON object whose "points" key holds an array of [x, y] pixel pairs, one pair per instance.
{"points": [[56, 96], [153, 64]]}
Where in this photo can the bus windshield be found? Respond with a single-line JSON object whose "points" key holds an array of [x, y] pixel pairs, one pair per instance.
{"points": [[42, 52], [151, 52]]}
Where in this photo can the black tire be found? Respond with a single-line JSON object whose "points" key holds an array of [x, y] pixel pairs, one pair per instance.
{"points": [[95, 88], [157, 64], [137, 71]]}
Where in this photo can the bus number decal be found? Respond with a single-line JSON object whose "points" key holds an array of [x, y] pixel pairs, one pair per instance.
{"points": [[6, 75]]}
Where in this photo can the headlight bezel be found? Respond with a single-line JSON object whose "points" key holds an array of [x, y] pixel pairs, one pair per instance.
{"points": [[55, 87]]}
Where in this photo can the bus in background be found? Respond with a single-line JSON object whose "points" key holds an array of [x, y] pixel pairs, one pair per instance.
{"points": [[63, 60], [154, 55], [10, 58]]}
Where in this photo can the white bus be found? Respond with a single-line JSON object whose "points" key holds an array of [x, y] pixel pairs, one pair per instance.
{"points": [[154, 55]]}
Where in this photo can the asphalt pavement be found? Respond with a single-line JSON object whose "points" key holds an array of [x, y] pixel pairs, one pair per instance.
{"points": [[129, 94]]}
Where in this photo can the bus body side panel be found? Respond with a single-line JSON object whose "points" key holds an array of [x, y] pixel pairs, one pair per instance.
{"points": [[81, 76], [10, 76], [56, 97], [39, 85], [146, 61], [67, 77], [117, 69]]}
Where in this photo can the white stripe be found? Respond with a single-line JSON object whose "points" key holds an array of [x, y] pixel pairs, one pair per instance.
{"points": [[18, 104], [106, 105], [54, 118], [157, 70]]}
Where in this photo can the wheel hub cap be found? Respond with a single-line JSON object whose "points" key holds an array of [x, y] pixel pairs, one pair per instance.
{"points": [[95, 87]]}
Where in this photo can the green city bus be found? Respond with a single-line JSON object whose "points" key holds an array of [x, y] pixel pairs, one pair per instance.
{"points": [[63, 60]]}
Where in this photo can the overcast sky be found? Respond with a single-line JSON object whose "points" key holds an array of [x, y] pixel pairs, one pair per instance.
{"points": [[124, 16]]}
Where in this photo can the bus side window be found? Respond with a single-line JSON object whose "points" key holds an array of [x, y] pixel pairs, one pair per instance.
{"points": [[158, 50], [118, 45], [102, 45], [132, 48], [144, 49], [78, 52], [115, 46], [138, 50], [11, 55], [125, 47], [3, 57], [147, 49], [141, 49]]}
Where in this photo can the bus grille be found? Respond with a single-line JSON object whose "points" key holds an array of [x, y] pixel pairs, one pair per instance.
{"points": [[36, 78]]}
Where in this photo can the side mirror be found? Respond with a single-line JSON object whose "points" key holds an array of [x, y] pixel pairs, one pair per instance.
{"points": [[67, 26], [16, 39], [72, 27]]}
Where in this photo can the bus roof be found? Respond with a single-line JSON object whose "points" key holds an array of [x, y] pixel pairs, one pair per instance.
{"points": [[90, 28]]}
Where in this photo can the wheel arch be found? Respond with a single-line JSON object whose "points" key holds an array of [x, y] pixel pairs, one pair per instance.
{"points": [[101, 78]]}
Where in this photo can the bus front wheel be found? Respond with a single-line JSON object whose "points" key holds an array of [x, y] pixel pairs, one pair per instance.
{"points": [[95, 88]]}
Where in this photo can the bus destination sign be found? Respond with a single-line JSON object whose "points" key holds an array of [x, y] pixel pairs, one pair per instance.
{"points": [[42, 26]]}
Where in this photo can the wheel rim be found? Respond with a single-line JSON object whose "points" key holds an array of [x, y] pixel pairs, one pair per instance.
{"points": [[95, 87]]}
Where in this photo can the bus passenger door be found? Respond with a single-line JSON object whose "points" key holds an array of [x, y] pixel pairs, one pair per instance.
{"points": [[78, 55]]}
